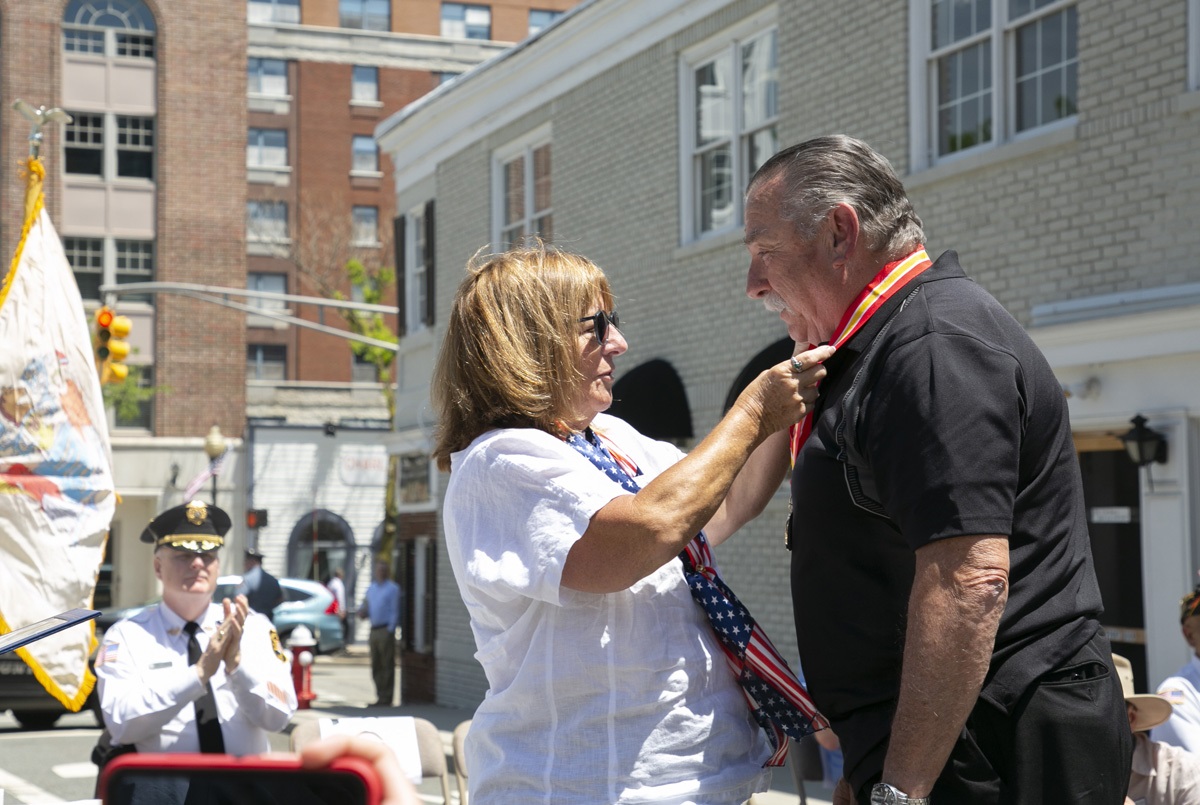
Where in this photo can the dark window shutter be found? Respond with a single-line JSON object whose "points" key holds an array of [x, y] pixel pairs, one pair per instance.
{"points": [[430, 273], [399, 231]]}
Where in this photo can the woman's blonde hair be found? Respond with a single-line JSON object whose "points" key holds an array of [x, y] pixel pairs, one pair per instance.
{"points": [[510, 357]]}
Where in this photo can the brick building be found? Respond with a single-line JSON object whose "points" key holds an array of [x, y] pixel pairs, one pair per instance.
{"points": [[1052, 143], [230, 145]]}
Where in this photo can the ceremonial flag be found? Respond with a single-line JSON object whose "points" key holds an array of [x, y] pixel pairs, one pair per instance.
{"points": [[56, 484]]}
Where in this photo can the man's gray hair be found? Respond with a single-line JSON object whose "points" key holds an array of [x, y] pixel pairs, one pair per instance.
{"points": [[821, 173]]}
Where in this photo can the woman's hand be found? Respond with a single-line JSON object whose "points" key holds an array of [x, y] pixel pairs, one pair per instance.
{"points": [[783, 394]]}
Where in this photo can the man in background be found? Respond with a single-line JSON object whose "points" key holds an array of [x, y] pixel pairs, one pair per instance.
{"points": [[337, 586], [381, 607], [1183, 689], [260, 587]]}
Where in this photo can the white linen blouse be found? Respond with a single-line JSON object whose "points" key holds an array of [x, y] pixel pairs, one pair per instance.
{"points": [[624, 697]]}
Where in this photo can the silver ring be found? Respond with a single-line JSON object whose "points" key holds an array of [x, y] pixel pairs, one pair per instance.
{"points": [[797, 367]]}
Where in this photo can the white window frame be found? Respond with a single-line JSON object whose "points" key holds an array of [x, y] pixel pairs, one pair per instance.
{"points": [[258, 153], [451, 31], [361, 235], [273, 11], [139, 254], [373, 172], [1193, 45], [270, 236], [355, 84], [923, 85], [729, 40], [414, 270], [264, 80], [552, 14], [523, 146]]}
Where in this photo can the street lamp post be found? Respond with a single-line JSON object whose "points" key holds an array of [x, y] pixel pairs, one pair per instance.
{"points": [[214, 446]]}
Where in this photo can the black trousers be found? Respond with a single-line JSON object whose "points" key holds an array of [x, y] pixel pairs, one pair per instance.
{"points": [[1067, 741]]}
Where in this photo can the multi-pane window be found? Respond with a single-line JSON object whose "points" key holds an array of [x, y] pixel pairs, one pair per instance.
{"points": [[466, 21], [266, 77], [135, 263], [267, 148], [84, 142], [135, 146], [364, 84], [734, 109], [364, 154], [122, 28], [365, 226], [525, 207], [126, 260], [273, 11], [138, 46], [996, 69], [86, 256], [266, 362], [266, 221], [416, 278], [539, 19], [268, 283], [369, 15]]}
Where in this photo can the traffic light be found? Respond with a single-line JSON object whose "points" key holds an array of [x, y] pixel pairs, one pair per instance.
{"points": [[256, 518], [110, 346]]}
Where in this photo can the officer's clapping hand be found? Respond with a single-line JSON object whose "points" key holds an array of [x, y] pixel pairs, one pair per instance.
{"points": [[225, 643]]}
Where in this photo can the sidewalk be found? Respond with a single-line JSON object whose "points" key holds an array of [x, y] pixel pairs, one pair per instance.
{"points": [[341, 703]]}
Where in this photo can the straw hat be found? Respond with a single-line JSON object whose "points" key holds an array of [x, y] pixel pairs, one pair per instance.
{"points": [[1152, 709]]}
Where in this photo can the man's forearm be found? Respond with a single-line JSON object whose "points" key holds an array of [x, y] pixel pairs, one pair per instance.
{"points": [[959, 592]]}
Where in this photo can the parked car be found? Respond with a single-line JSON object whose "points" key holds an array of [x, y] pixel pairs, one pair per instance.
{"points": [[305, 602]]}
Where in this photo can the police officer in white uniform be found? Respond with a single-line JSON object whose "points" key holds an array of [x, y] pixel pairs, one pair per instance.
{"points": [[190, 675], [1183, 689]]}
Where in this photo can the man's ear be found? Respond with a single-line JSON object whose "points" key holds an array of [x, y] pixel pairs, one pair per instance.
{"points": [[844, 231]]}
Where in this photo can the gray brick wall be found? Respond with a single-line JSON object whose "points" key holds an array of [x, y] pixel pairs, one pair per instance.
{"points": [[1106, 210]]}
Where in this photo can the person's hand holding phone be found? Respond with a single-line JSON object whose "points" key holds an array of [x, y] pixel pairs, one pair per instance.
{"points": [[396, 788]]}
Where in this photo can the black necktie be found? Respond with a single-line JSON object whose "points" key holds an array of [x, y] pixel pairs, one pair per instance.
{"points": [[208, 725]]}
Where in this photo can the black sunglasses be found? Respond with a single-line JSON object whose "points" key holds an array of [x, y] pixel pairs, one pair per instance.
{"points": [[600, 322]]}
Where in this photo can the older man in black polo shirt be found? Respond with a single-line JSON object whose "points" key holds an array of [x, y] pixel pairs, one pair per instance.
{"points": [[945, 600]]}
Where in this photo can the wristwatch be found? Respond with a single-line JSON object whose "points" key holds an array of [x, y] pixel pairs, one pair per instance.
{"points": [[884, 794]]}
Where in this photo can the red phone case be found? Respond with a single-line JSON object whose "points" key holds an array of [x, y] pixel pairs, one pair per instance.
{"points": [[354, 766]]}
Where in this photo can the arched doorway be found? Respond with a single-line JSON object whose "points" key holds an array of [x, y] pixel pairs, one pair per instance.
{"points": [[322, 542], [651, 397]]}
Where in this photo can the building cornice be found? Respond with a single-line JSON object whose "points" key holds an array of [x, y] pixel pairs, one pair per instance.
{"points": [[590, 39], [311, 43]]}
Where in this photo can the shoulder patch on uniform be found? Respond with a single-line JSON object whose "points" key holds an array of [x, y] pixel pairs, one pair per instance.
{"points": [[108, 654], [1173, 695], [276, 647]]}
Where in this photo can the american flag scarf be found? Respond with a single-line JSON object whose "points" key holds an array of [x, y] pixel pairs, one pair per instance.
{"points": [[777, 700]]}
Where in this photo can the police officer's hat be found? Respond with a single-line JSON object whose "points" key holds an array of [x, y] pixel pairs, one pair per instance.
{"points": [[195, 526]]}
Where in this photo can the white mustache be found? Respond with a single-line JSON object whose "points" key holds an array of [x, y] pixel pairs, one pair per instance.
{"points": [[774, 303]]}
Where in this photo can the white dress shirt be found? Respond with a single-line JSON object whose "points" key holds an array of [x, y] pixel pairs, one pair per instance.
{"points": [[1183, 692], [147, 687], [1163, 774]]}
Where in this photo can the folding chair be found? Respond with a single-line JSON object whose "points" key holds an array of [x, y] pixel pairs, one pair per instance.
{"points": [[460, 760], [429, 745]]}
